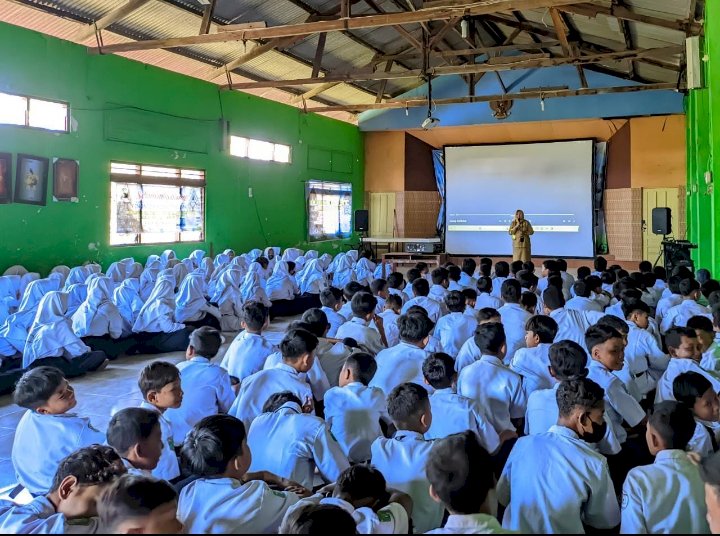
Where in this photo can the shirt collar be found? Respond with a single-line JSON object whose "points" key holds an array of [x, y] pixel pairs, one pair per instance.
{"points": [[670, 454], [473, 521], [200, 359], [556, 312], [289, 407], [334, 501], [287, 368], [563, 431], [401, 435], [358, 320], [491, 359]]}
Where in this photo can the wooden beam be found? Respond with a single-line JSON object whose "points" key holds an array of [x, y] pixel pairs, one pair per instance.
{"points": [[241, 26], [339, 25], [622, 12], [313, 92], [449, 25], [561, 31], [625, 29], [256, 51], [207, 17], [383, 83], [469, 51], [319, 51], [106, 20], [344, 9]]}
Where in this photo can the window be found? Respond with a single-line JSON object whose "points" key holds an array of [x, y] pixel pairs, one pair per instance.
{"points": [[259, 150], [156, 204], [329, 210], [30, 112]]}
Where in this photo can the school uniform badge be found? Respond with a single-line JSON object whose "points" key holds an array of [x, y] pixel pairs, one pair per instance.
{"points": [[625, 501]]}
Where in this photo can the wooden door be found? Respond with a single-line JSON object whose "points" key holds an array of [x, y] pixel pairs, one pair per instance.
{"points": [[382, 214]]}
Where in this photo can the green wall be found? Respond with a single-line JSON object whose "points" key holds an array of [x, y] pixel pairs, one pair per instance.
{"points": [[105, 90]]}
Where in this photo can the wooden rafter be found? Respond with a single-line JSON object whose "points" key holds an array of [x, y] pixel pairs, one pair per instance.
{"points": [[479, 51], [627, 36], [319, 51], [314, 92], [562, 34], [113, 16], [257, 51], [383, 83], [624, 13], [207, 17]]}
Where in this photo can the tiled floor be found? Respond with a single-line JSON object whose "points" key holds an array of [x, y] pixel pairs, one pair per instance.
{"points": [[100, 394]]}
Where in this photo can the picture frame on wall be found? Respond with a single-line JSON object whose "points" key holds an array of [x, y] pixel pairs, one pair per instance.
{"points": [[31, 180], [65, 179], [6, 178]]}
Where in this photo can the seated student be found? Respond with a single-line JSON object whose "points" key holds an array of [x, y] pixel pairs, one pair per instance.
{"points": [[668, 495], [515, 267], [52, 342], [408, 292], [139, 505], [582, 300], [349, 292], [568, 280], [229, 300], [311, 279], [206, 386], [533, 362], [226, 498], [485, 298], [607, 280], [583, 272], [485, 267], [156, 327], [679, 315], [393, 306], [136, 435], [528, 281], [537, 500], [319, 519], [362, 492], [127, 299], [379, 289], [159, 385], [695, 392], [253, 286], [661, 273], [421, 288], [192, 307], [280, 285], [424, 271], [670, 298], [47, 432], [467, 272], [365, 269], [298, 355], [247, 353], [572, 325], [403, 458], [396, 285], [514, 318], [460, 477], [684, 349], [363, 309], [306, 442], [343, 272], [469, 352], [331, 300], [439, 288], [502, 272], [650, 294], [705, 331], [549, 267], [458, 413], [403, 363], [14, 331], [470, 295], [70, 504], [456, 327], [529, 302]]}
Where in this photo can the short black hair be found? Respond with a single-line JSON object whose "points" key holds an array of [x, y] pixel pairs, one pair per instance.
{"points": [[413, 274], [319, 519], [460, 472], [362, 304], [212, 444], [394, 301], [439, 370], [130, 426], [599, 334], [352, 288], [93, 465], [206, 341], [562, 265], [660, 272], [470, 294], [378, 285], [616, 323], [131, 497], [581, 288], [583, 393], [455, 301], [502, 269], [421, 287], [673, 336], [529, 300], [484, 284], [688, 286], [486, 313], [486, 266], [330, 296], [569, 360], [703, 275], [555, 280], [645, 266], [407, 401], [674, 284], [254, 314], [417, 309], [649, 279], [277, 400], [700, 322], [421, 266], [439, 275], [543, 326], [551, 265], [157, 375], [529, 266], [510, 291], [414, 327], [516, 266], [395, 280], [363, 366], [608, 278], [490, 337], [632, 305], [454, 273], [468, 266], [716, 312], [583, 272], [709, 286], [36, 386], [362, 481], [553, 298], [689, 386], [674, 423], [296, 343], [600, 263], [526, 279], [316, 320]]}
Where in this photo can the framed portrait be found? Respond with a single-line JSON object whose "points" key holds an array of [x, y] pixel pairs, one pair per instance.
{"points": [[5, 178], [31, 180], [65, 179]]}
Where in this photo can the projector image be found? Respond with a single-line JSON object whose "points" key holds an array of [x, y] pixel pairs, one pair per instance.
{"points": [[430, 122]]}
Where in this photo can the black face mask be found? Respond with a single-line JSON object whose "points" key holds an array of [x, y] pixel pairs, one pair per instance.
{"points": [[597, 434]]}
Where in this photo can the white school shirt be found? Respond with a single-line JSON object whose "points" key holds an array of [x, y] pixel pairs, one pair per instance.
{"points": [[497, 286], [228, 506], [316, 377], [665, 304], [711, 357], [392, 332], [579, 303], [400, 364], [471, 524], [679, 315], [168, 466], [487, 300], [334, 319], [190, 303], [540, 501], [360, 330], [644, 361], [496, 388], [532, 364], [457, 414], [158, 313], [330, 358], [98, 316], [572, 325], [40, 517], [402, 461], [408, 293], [665, 497], [467, 281], [206, 391], [513, 318], [398, 292], [701, 442], [256, 389], [346, 311], [676, 367], [619, 404], [438, 293], [42, 441], [455, 285], [291, 444], [246, 355], [454, 330], [380, 307], [468, 354], [433, 308]]}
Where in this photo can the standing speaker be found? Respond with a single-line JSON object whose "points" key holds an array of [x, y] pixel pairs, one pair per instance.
{"points": [[661, 222], [362, 221]]}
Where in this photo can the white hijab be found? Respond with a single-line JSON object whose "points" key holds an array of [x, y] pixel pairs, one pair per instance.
{"points": [[147, 279], [312, 272], [16, 270], [180, 272], [343, 273], [76, 296], [334, 261], [99, 292], [27, 279], [135, 271], [77, 275], [51, 331], [166, 257], [311, 254], [63, 271], [290, 254], [240, 263], [378, 270], [221, 259], [116, 271], [353, 254], [300, 263], [189, 264], [364, 270], [326, 261], [151, 259], [15, 281], [93, 268], [228, 288], [208, 268], [254, 254], [16, 326], [160, 303], [8, 297], [252, 288], [281, 273], [57, 278], [197, 257], [190, 299], [127, 299], [229, 252]]}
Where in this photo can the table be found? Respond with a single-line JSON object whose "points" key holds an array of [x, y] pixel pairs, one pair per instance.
{"points": [[394, 240]]}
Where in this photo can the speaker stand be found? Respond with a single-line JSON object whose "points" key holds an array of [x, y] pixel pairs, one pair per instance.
{"points": [[662, 250]]}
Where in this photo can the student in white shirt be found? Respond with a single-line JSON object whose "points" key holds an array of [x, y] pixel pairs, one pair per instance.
{"points": [[679, 315], [136, 435], [403, 362], [670, 298], [349, 291], [600, 265], [206, 386], [247, 353], [710, 473], [533, 362], [568, 280], [393, 306], [502, 272], [514, 317], [396, 285], [403, 459], [192, 307], [582, 300], [379, 289], [305, 440], [469, 352], [467, 272], [456, 327], [485, 298], [666, 497], [537, 500], [226, 498], [421, 288], [411, 275], [156, 326], [298, 356], [331, 301], [47, 432], [470, 301], [705, 331], [461, 479], [696, 392], [364, 269], [127, 299], [491, 384], [229, 299], [441, 282], [549, 267], [572, 325], [363, 309], [70, 504]]}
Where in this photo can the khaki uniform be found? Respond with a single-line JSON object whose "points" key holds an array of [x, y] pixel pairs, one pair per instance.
{"points": [[520, 232]]}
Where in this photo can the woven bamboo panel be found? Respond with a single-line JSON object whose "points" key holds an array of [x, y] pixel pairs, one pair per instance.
{"points": [[623, 212], [420, 211], [682, 214]]}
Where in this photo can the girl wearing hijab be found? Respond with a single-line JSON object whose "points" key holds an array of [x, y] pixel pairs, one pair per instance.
{"points": [[325, 261], [136, 271], [57, 277], [290, 254], [127, 299], [14, 332], [52, 342], [271, 254], [299, 264], [166, 257], [252, 288], [344, 272], [8, 298], [285, 294], [197, 257], [364, 269], [76, 276], [147, 279], [93, 268], [16, 270], [98, 321], [180, 272], [63, 271], [312, 280], [221, 259], [191, 306], [229, 299], [27, 279], [156, 328], [311, 254], [15, 282], [189, 265], [116, 272], [254, 254], [77, 295], [230, 253], [151, 259], [241, 264], [208, 268], [353, 254]]}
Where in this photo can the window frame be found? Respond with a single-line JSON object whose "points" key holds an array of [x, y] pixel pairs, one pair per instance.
{"points": [[324, 237], [248, 141], [27, 124]]}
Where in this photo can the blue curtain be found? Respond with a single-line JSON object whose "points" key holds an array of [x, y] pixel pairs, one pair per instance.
{"points": [[439, 165], [599, 176]]}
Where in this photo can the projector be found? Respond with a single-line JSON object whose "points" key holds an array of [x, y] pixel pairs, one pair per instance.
{"points": [[430, 122]]}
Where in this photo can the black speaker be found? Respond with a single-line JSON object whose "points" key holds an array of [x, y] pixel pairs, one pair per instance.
{"points": [[661, 221], [362, 224]]}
